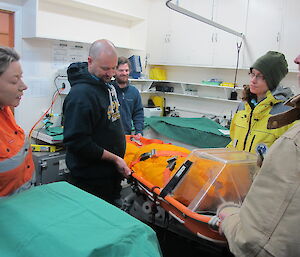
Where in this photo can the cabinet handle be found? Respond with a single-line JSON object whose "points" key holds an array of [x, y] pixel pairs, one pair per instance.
{"points": [[212, 37], [278, 37], [216, 37], [167, 38]]}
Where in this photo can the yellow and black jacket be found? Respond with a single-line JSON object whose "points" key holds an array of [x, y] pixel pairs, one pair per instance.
{"points": [[248, 128]]}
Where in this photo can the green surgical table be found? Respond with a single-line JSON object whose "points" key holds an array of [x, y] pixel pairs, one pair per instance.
{"points": [[60, 220]]}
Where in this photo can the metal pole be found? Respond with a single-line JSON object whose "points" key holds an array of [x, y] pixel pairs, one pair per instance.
{"points": [[201, 18]]}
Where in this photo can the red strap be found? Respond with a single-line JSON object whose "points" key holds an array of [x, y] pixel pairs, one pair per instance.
{"points": [[143, 141], [167, 174], [170, 153]]}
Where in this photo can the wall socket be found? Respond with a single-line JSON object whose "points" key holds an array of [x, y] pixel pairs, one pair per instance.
{"points": [[62, 82]]}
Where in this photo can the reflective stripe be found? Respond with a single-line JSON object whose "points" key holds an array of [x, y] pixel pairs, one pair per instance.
{"points": [[15, 161], [16, 179], [26, 185]]}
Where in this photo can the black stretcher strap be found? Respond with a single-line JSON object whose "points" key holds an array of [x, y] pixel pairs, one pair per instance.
{"points": [[176, 178]]}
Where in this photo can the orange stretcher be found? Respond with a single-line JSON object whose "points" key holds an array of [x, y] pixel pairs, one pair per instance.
{"points": [[207, 178]]}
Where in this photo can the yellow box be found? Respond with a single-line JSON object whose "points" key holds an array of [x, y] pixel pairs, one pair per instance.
{"points": [[227, 84], [43, 148], [157, 73], [159, 102]]}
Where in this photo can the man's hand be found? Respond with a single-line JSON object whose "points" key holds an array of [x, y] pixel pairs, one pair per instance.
{"points": [[118, 161], [138, 136], [122, 167]]}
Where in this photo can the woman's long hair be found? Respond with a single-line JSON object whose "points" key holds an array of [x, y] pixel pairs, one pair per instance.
{"points": [[247, 95]]}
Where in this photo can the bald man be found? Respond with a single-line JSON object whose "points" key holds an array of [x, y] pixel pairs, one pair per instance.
{"points": [[93, 133]]}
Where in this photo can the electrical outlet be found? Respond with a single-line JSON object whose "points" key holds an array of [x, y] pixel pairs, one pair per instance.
{"points": [[62, 82]]}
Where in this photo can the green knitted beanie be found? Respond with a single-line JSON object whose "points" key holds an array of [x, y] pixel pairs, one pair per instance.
{"points": [[273, 66]]}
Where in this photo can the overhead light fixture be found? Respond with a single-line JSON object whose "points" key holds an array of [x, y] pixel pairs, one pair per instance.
{"points": [[188, 13]]}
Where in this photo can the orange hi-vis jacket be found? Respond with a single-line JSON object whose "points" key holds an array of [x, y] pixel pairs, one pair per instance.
{"points": [[16, 164]]}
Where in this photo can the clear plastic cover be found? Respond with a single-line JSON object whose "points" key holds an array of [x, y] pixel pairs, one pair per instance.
{"points": [[216, 175]]}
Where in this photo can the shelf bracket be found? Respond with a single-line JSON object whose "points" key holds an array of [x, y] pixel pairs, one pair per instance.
{"points": [[201, 18]]}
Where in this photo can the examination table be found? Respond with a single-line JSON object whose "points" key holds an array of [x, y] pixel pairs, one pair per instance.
{"points": [[61, 220], [187, 132]]}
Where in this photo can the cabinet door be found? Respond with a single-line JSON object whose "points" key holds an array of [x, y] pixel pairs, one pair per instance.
{"points": [[190, 42], [232, 14], [159, 26], [177, 39], [290, 38], [263, 29]]}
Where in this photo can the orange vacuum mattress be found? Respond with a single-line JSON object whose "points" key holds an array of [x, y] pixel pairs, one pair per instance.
{"points": [[194, 190]]}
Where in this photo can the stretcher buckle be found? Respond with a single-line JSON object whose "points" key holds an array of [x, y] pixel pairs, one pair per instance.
{"points": [[172, 163], [147, 155]]}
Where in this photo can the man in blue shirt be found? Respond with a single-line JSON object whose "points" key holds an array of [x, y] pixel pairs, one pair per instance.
{"points": [[131, 107]]}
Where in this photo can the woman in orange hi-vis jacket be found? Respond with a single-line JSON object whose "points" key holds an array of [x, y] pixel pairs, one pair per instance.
{"points": [[16, 164]]}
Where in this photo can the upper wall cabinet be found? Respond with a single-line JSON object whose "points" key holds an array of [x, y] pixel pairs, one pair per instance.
{"points": [[263, 29], [290, 38], [122, 22], [277, 26], [232, 14], [177, 39], [191, 41], [159, 32]]}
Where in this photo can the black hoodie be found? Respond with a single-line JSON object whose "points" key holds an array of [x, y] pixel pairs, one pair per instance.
{"points": [[91, 123]]}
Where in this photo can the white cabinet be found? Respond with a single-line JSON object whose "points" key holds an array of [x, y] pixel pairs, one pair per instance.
{"points": [[277, 30], [159, 32], [191, 41], [190, 99], [181, 40], [124, 23], [263, 29], [290, 39], [231, 14], [173, 38]]}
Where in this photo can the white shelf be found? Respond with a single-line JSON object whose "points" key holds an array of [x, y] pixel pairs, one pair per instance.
{"points": [[104, 19], [143, 80], [94, 7], [183, 83], [204, 85], [195, 98], [41, 135], [149, 92], [219, 99], [144, 86]]}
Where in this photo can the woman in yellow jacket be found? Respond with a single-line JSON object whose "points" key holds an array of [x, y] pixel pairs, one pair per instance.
{"points": [[262, 99], [16, 164]]}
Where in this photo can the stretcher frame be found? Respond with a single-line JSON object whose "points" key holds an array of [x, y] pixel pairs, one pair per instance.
{"points": [[196, 223]]}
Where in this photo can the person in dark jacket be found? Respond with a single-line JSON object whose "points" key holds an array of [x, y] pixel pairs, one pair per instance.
{"points": [[131, 107], [93, 133]]}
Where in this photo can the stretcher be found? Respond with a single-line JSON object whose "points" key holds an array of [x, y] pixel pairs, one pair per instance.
{"points": [[207, 178]]}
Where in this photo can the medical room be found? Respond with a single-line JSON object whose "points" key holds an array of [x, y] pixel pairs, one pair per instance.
{"points": [[149, 128]]}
